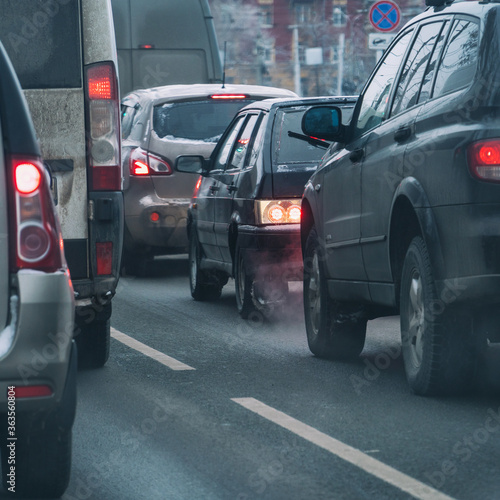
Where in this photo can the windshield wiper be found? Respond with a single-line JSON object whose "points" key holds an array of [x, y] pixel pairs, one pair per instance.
{"points": [[311, 140]]}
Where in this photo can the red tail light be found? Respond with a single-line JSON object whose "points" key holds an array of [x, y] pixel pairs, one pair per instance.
{"points": [[103, 144], [228, 96], [484, 160], [104, 252], [28, 178], [143, 163], [38, 241], [33, 391]]}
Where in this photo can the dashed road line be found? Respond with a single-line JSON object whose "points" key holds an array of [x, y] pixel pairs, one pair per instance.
{"points": [[348, 453], [172, 363]]}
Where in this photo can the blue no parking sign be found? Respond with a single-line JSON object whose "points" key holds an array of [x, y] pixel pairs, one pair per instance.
{"points": [[385, 15]]}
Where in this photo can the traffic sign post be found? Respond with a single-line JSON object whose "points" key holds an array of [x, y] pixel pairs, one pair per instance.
{"points": [[385, 15]]}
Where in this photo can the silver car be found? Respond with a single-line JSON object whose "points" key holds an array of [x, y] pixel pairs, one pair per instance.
{"points": [[37, 350], [157, 126]]}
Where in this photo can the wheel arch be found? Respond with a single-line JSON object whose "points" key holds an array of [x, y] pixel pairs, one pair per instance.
{"points": [[412, 215]]}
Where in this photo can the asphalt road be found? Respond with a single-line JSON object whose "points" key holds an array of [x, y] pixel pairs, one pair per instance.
{"points": [[242, 410]]}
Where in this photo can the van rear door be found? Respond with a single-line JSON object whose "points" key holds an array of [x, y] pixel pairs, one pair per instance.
{"points": [[165, 42], [43, 40]]}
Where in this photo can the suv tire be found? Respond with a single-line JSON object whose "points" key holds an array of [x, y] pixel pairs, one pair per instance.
{"points": [[334, 330], [202, 288], [438, 344], [43, 463]]}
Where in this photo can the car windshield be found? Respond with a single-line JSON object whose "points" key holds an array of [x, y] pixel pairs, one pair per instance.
{"points": [[197, 120]]}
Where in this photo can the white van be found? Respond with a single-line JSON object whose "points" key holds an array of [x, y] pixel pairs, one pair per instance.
{"points": [[64, 53], [165, 42]]}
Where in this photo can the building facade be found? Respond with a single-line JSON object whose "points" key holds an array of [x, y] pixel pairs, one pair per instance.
{"points": [[315, 47]]}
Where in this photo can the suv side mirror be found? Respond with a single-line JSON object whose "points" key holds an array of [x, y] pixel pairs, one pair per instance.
{"points": [[324, 123], [190, 164]]}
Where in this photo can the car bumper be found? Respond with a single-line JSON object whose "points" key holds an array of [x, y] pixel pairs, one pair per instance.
{"points": [[470, 245], [169, 231], [41, 350], [273, 250]]}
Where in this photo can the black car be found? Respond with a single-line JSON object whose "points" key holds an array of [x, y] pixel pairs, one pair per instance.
{"points": [[404, 218], [243, 221]]}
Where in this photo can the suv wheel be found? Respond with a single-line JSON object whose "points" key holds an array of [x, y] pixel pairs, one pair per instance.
{"points": [[136, 264], [438, 344], [334, 330], [203, 287], [43, 463]]}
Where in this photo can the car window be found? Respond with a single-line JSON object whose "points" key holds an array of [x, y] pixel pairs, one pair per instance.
{"points": [[225, 148], [128, 114], [196, 120], [459, 61], [289, 149], [411, 77], [376, 96], [256, 142], [46, 52], [430, 71], [242, 142]]}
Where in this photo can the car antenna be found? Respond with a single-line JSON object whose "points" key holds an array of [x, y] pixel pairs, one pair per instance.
{"points": [[224, 66]]}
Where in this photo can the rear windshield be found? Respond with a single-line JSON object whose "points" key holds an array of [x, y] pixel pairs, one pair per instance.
{"points": [[42, 39], [290, 145], [196, 121]]}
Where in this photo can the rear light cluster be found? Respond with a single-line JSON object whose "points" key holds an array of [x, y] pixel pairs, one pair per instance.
{"points": [[33, 391], [484, 160], [278, 211], [104, 127], [144, 163], [38, 240]]}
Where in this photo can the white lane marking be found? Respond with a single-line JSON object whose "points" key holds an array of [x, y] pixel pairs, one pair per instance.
{"points": [[348, 453], [149, 351]]}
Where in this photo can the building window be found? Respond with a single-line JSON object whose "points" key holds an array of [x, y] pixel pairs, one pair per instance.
{"points": [[339, 15], [267, 16], [266, 52], [304, 13]]}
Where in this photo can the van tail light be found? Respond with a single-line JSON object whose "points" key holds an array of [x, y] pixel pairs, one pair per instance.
{"points": [[103, 112], [38, 241], [484, 160], [278, 211], [143, 163]]}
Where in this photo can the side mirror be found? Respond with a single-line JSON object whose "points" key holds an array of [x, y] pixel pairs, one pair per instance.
{"points": [[324, 123], [190, 164]]}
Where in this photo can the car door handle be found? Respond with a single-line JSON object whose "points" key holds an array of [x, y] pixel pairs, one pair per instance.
{"points": [[232, 188], [356, 155], [213, 188], [402, 134]]}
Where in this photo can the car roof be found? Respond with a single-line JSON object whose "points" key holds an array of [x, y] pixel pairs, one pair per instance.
{"points": [[267, 104], [475, 8], [201, 90]]}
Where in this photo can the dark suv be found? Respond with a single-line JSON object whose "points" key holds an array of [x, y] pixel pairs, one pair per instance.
{"points": [[404, 216]]}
